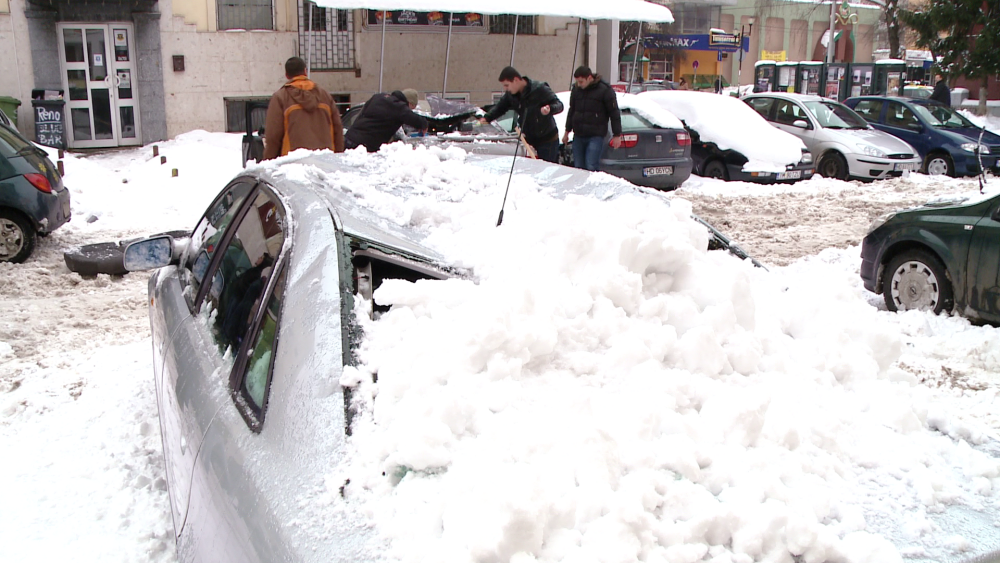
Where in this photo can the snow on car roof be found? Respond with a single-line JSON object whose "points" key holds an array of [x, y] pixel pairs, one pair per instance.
{"points": [[628, 10], [732, 124]]}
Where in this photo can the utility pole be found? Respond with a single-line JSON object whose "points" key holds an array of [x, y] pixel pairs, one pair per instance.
{"points": [[830, 44]]}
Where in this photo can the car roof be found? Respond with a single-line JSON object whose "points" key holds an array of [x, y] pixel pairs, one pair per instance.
{"points": [[901, 99], [790, 96]]}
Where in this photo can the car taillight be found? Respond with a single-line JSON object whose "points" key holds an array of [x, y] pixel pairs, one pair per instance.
{"points": [[683, 139], [40, 182], [629, 141]]}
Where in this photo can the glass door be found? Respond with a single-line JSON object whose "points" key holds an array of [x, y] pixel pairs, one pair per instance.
{"points": [[98, 65]]}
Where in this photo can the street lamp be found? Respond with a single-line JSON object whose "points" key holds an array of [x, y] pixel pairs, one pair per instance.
{"points": [[739, 72]]}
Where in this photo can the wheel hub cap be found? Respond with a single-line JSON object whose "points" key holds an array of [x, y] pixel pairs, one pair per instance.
{"points": [[11, 239], [937, 167], [914, 286]]}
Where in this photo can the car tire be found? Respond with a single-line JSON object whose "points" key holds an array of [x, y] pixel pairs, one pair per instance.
{"points": [[916, 279], [833, 165], [716, 169], [939, 164], [17, 237]]}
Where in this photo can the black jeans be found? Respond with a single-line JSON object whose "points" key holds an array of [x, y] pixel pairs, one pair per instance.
{"points": [[548, 152]]}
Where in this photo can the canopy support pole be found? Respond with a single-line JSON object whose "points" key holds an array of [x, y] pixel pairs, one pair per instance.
{"points": [[636, 58], [576, 51], [381, 57], [309, 38], [447, 56], [513, 43]]}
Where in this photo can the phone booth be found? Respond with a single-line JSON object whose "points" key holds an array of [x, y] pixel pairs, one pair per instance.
{"points": [[835, 81], [786, 76], [763, 76], [861, 79], [890, 76], [808, 77]]}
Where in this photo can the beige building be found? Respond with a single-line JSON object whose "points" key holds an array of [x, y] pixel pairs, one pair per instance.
{"points": [[135, 71]]}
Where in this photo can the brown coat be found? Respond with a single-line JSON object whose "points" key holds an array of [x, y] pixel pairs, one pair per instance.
{"points": [[302, 115]]}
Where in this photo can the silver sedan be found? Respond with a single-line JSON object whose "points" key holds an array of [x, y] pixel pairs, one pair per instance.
{"points": [[842, 142], [253, 323]]}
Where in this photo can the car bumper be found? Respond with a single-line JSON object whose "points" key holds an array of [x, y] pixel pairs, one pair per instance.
{"points": [[968, 164], [871, 249], [870, 167], [60, 212], [787, 177], [632, 171], [48, 211]]}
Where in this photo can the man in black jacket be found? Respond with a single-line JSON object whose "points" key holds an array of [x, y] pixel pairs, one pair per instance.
{"points": [[382, 115], [535, 104], [591, 104], [941, 91]]}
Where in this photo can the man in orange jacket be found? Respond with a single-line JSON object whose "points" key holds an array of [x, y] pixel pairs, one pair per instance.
{"points": [[301, 115]]}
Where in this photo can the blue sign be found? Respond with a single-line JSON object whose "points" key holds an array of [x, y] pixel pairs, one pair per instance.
{"points": [[723, 43]]}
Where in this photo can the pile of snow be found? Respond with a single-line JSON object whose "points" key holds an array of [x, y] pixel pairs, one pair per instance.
{"points": [[609, 390], [991, 122], [649, 111], [732, 124]]}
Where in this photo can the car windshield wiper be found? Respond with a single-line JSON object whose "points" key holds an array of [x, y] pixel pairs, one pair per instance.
{"points": [[26, 150], [835, 127]]}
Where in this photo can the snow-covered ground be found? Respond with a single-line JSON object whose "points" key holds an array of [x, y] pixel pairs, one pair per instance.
{"points": [[748, 409]]}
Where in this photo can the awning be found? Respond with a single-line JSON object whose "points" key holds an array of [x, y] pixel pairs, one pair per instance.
{"points": [[625, 10]]}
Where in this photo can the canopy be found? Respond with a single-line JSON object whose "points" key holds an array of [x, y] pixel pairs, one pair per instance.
{"points": [[626, 10]]}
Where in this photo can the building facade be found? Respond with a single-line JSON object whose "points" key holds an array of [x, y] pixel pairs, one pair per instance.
{"points": [[138, 71]]}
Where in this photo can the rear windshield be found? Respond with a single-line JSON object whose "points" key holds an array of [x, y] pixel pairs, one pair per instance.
{"points": [[11, 143], [940, 116], [836, 116], [631, 121]]}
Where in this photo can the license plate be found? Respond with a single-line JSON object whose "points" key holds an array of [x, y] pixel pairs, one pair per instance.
{"points": [[65, 207], [790, 175], [911, 166], [658, 171]]}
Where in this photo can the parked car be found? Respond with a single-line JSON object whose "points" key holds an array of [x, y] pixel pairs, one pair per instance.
{"points": [[247, 395], [842, 142], [4, 120], [655, 150], [648, 86], [33, 200], [947, 142], [721, 125], [917, 91], [942, 256]]}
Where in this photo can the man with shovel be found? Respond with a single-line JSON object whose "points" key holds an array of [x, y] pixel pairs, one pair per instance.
{"points": [[535, 104]]}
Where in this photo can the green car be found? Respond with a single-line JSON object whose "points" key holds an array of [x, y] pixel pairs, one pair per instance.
{"points": [[942, 256]]}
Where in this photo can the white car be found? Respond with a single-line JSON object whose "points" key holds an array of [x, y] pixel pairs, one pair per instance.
{"points": [[842, 142]]}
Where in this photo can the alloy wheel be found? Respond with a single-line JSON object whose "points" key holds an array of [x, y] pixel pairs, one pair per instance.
{"points": [[11, 239], [915, 286]]}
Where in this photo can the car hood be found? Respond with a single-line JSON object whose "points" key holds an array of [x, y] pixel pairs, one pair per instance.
{"points": [[883, 141], [971, 134]]}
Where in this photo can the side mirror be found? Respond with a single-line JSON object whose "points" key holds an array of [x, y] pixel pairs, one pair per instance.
{"points": [[915, 127], [800, 123], [151, 253]]}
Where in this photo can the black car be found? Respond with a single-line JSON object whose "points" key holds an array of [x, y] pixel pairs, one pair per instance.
{"points": [[942, 256], [33, 200], [712, 162]]}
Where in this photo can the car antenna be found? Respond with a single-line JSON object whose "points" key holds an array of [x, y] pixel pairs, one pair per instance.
{"points": [[979, 157], [517, 149]]}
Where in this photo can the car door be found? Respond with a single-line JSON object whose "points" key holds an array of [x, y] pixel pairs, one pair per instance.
{"points": [[228, 517], [901, 122], [184, 370], [983, 270], [786, 113]]}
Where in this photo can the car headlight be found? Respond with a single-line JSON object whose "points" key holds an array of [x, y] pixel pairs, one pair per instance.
{"points": [[881, 220], [971, 147], [871, 150], [807, 157]]}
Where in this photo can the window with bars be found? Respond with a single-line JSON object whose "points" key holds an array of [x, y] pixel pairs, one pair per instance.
{"points": [[526, 25], [245, 14], [328, 44], [236, 113]]}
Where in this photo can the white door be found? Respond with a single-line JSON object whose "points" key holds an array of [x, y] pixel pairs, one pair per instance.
{"points": [[98, 73]]}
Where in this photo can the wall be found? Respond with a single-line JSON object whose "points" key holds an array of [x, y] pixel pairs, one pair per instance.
{"points": [[16, 63]]}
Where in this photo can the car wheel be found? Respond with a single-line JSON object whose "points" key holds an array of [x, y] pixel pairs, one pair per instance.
{"points": [[833, 165], [716, 169], [17, 237], [939, 164], [916, 279]]}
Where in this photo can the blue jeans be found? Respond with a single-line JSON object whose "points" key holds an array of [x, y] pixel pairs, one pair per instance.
{"points": [[587, 152]]}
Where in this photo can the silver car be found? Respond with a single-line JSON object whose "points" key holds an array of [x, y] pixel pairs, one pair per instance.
{"points": [[842, 142], [253, 322]]}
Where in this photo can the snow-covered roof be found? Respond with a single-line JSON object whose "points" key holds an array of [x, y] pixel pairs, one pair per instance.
{"points": [[731, 124], [628, 10]]}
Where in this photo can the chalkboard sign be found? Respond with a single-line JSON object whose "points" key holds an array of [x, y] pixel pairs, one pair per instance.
{"points": [[49, 123]]}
